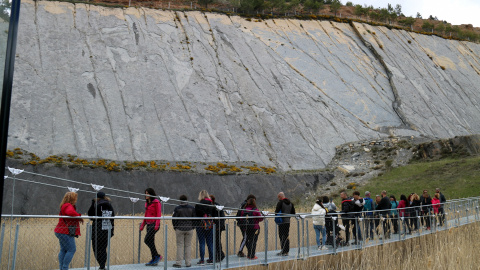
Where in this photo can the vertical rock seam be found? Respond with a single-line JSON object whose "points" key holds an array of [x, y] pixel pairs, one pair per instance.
{"points": [[397, 100]]}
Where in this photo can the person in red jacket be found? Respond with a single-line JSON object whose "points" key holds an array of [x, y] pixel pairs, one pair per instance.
{"points": [[67, 229], [153, 208]]}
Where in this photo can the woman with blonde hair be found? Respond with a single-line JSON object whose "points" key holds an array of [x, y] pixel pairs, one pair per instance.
{"points": [[204, 227], [67, 229]]}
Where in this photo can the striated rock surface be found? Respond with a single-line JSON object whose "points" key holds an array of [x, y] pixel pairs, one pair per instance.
{"points": [[142, 84]]}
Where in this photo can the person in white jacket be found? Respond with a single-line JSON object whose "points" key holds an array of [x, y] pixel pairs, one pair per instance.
{"points": [[318, 219]]}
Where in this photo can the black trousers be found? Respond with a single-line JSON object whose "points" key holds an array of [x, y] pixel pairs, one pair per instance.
{"points": [[346, 224], [283, 233], [252, 238], [99, 245], [150, 239], [219, 254], [244, 239]]}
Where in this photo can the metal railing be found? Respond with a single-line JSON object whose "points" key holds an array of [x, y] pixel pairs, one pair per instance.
{"points": [[28, 241]]}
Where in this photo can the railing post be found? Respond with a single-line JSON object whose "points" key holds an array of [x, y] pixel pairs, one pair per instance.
{"points": [[234, 237], [108, 246], [399, 226], [334, 236], [308, 239], [382, 220], [303, 238], [89, 232], [139, 242], [418, 224], [165, 259], [2, 235], [86, 244], [196, 245], [227, 242], [357, 236], [15, 246], [276, 236], [214, 246], [466, 214], [266, 240], [298, 237], [458, 219]]}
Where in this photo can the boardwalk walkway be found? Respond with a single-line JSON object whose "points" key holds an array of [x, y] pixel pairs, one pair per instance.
{"points": [[234, 261]]}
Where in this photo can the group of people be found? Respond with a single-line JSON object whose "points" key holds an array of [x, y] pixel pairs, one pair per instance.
{"points": [[384, 209], [248, 220], [206, 227]]}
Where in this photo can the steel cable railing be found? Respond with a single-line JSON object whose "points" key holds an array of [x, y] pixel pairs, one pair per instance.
{"points": [[32, 236]]}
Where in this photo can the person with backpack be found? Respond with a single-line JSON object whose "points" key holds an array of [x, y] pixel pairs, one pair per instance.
{"points": [[284, 207], [358, 204], [368, 208], [347, 208], [384, 207], [242, 227], [183, 232], [252, 227], [394, 213], [153, 208], [318, 220], [414, 210], [403, 213], [101, 207], [219, 227], [426, 202], [441, 210], [204, 227]]}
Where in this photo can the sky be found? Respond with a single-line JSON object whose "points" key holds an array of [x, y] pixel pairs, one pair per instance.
{"points": [[455, 12]]}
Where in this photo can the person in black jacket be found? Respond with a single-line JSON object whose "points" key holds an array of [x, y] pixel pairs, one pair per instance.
{"points": [[384, 207], [441, 210], [101, 207], [204, 227], [219, 227], [358, 203], [243, 228], [426, 202], [284, 206], [347, 218], [183, 231]]}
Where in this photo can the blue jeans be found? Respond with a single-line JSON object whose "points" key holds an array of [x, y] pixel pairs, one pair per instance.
{"points": [[205, 235], [67, 250], [322, 229]]}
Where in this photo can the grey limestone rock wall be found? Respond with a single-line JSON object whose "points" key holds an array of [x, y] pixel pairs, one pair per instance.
{"points": [[143, 84]]}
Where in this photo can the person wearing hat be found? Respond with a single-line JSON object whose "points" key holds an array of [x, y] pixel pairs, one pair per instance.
{"points": [[101, 207]]}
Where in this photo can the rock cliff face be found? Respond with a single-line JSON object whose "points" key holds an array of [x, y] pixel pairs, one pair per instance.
{"points": [[142, 84]]}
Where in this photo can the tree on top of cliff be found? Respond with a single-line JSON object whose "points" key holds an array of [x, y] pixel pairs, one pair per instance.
{"points": [[205, 2], [335, 6]]}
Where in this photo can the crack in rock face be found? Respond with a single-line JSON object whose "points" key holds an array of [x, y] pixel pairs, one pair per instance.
{"points": [[279, 93]]}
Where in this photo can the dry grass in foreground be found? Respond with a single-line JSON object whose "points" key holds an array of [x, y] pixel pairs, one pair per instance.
{"points": [[457, 248]]}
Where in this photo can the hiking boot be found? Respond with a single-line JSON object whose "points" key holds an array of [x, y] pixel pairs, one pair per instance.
{"points": [[200, 263], [254, 258], [241, 254], [177, 265], [209, 261]]}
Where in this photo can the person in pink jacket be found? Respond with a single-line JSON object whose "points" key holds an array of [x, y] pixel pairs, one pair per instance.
{"points": [[253, 228], [66, 236], [436, 203], [153, 208]]}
